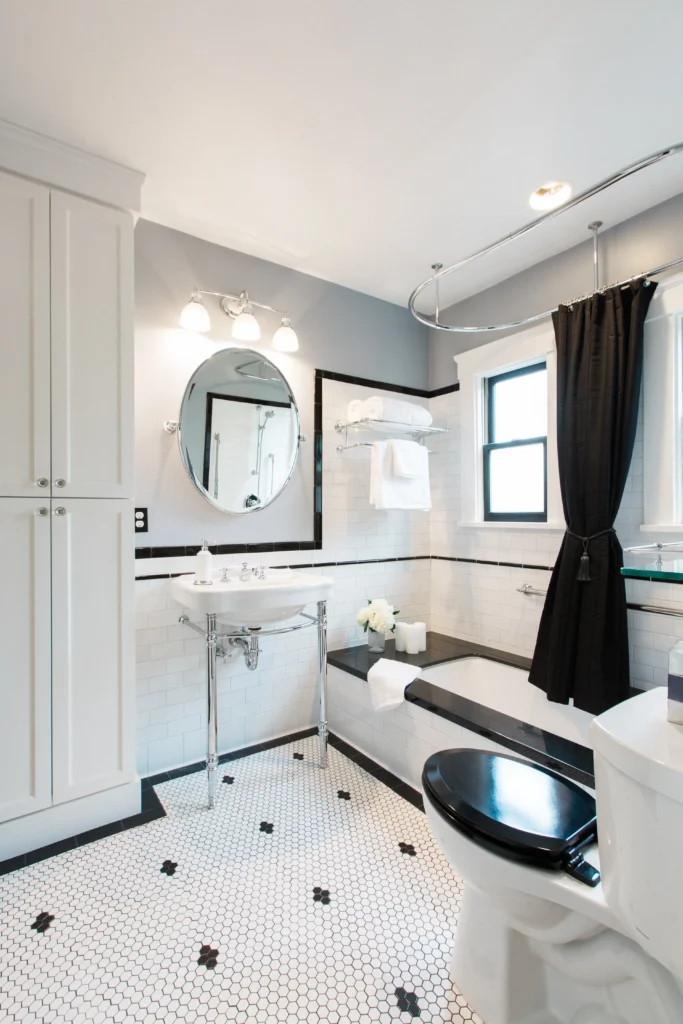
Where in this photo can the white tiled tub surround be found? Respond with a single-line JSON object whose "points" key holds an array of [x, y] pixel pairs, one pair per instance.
{"points": [[280, 696], [400, 740], [481, 603]]}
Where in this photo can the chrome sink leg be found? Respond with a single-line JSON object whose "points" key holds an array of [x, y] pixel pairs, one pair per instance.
{"points": [[322, 682], [212, 721]]}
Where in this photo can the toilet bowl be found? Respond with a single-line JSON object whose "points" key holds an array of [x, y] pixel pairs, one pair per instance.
{"points": [[556, 928]]}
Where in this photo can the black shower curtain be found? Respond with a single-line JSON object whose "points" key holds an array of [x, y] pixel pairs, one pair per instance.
{"points": [[582, 646]]}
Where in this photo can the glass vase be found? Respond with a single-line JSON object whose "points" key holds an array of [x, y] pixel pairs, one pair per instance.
{"points": [[376, 641]]}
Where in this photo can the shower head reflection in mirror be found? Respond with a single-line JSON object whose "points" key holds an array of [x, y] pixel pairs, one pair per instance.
{"points": [[238, 430]]}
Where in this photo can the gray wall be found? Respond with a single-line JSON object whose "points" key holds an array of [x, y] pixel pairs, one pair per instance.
{"points": [[651, 238], [338, 329]]}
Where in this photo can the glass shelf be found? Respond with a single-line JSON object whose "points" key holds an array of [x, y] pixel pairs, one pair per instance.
{"points": [[671, 569], [390, 426]]}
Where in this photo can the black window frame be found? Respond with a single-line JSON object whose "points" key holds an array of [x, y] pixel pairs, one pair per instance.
{"points": [[511, 517]]}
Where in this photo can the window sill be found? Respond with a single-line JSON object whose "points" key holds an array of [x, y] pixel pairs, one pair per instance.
{"points": [[553, 527], [662, 528]]}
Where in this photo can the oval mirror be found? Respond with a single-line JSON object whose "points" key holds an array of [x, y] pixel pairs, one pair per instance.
{"points": [[238, 430]]}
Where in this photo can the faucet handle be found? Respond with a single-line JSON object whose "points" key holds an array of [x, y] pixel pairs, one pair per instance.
{"points": [[262, 572], [224, 574], [245, 565]]}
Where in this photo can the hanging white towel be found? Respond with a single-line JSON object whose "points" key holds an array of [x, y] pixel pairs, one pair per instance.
{"points": [[409, 459], [389, 491], [378, 408], [387, 680], [355, 410]]}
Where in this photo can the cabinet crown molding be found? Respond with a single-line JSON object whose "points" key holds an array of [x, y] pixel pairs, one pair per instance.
{"points": [[55, 163]]}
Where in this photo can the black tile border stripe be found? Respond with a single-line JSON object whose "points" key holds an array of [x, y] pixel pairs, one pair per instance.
{"points": [[152, 808], [371, 561]]}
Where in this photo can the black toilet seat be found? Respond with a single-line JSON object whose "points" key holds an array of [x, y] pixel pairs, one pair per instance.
{"points": [[517, 810]]}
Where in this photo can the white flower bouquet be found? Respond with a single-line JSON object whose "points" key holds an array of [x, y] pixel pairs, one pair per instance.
{"points": [[379, 616]]}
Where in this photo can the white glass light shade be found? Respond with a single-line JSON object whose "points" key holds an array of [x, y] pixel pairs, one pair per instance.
{"points": [[246, 328], [285, 338], [550, 195], [195, 316]]}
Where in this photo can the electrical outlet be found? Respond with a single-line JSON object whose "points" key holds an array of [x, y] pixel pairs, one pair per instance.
{"points": [[141, 521]]}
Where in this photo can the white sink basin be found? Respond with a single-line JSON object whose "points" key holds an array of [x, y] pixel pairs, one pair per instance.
{"points": [[253, 602]]}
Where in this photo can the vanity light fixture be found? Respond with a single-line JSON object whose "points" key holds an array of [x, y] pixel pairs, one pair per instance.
{"points": [[195, 317], [285, 338], [550, 196]]}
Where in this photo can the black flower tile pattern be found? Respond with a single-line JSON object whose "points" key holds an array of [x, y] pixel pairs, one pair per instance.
{"points": [[208, 958], [343, 794], [298, 757], [43, 922], [238, 937], [168, 867], [407, 848], [321, 895], [266, 827], [407, 1002], [228, 779]]}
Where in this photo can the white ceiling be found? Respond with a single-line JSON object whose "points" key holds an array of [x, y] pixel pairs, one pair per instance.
{"points": [[358, 140]]}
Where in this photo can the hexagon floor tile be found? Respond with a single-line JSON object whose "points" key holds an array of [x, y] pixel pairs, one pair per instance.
{"points": [[283, 904]]}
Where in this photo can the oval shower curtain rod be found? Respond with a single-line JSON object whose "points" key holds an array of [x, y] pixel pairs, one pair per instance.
{"points": [[440, 271]]}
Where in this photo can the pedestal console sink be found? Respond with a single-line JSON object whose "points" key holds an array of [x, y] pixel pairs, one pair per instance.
{"points": [[251, 604], [254, 602]]}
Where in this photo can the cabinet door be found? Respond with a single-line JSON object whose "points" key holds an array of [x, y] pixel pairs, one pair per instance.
{"points": [[93, 715], [24, 337], [92, 349], [25, 708]]}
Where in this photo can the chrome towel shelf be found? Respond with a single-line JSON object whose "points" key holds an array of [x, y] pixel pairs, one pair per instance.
{"points": [[390, 426]]}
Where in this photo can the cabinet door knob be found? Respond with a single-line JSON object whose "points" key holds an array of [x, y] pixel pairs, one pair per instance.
{"points": [[42, 481], [42, 511], [60, 511], [60, 482]]}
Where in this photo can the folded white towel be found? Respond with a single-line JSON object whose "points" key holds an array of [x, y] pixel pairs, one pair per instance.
{"points": [[395, 409], [389, 491], [355, 410], [387, 680], [409, 459]]}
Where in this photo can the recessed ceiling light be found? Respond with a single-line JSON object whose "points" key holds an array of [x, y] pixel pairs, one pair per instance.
{"points": [[550, 195]]}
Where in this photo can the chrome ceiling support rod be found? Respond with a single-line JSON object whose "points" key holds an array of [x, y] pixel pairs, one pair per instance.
{"points": [[594, 190]]}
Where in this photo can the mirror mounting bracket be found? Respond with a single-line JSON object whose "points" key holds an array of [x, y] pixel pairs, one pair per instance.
{"points": [[171, 426]]}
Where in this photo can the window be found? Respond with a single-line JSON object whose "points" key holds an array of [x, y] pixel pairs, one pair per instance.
{"points": [[515, 452]]}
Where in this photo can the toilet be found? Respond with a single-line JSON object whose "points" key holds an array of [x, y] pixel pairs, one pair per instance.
{"points": [[573, 907]]}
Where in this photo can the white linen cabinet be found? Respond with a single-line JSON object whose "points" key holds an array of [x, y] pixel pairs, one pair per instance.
{"points": [[66, 519]]}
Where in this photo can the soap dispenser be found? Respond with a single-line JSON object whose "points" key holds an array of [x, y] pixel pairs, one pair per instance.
{"points": [[202, 574], [675, 705]]}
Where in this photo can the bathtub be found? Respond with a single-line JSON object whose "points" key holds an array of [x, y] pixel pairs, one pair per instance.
{"points": [[471, 701], [507, 689]]}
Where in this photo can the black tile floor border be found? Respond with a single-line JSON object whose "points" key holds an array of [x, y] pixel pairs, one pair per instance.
{"points": [[381, 774], [233, 755], [152, 808]]}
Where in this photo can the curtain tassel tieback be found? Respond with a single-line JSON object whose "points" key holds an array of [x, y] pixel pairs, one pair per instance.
{"points": [[584, 573]]}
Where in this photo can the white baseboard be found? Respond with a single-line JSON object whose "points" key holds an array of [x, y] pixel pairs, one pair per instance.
{"points": [[22, 835]]}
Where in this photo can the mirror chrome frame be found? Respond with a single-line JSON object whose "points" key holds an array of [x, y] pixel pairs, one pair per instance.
{"points": [[184, 456]]}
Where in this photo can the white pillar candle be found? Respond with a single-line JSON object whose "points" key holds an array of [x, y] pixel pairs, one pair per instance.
{"points": [[412, 640], [400, 635], [421, 628]]}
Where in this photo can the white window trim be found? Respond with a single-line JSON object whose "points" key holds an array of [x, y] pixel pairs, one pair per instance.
{"points": [[663, 411], [474, 366]]}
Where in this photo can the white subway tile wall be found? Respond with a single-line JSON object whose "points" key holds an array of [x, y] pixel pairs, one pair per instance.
{"points": [[462, 599], [280, 696]]}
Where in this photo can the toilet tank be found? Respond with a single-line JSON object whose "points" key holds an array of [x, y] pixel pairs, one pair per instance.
{"points": [[639, 794]]}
